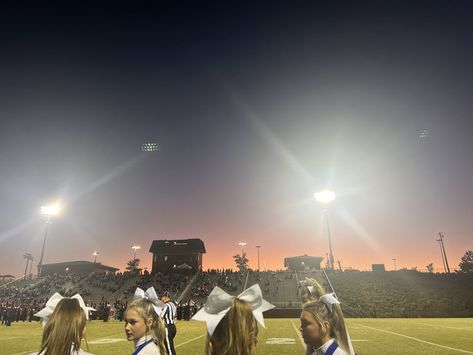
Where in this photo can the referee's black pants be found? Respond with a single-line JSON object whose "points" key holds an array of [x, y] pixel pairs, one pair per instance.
{"points": [[170, 334]]}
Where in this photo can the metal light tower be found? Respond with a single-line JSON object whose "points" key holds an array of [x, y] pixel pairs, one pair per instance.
{"points": [[258, 246], [29, 258], [325, 197], [49, 211], [395, 266], [30, 275], [444, 254]]}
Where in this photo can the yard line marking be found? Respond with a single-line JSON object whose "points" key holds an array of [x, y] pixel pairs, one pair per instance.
{"points": [[298, 334], [446, 326], [419, 340], [190, 341]]}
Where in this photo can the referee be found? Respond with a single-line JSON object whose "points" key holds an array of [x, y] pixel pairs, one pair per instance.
{"points": [[169, 318]]}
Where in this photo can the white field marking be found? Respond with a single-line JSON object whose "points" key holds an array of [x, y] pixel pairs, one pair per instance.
{"points": [[281, 341], [417, 339], [446, 326], [359, 340], [189, 341], [106, 340], [299, 334]]}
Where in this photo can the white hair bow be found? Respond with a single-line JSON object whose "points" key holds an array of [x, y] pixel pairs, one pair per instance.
{"points": [[329, 299], [51, 304], [219, 302], [150, 295]]}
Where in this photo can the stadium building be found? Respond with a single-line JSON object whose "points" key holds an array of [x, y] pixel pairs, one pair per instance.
{"points": [[76, 267], [304, 262], [173, 255]]}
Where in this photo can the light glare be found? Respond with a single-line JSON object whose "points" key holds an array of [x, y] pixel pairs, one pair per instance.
{"points": [[324, 196], [51, 210]]}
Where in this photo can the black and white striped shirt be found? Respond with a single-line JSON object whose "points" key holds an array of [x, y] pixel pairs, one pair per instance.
{"points": [[170, 313]]}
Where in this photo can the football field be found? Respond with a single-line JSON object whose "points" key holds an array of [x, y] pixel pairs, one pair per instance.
{"points": [[281, 336]]}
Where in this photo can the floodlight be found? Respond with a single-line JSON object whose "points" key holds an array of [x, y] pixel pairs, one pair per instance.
{"points": [[324, 196], [51, 210], [150, 147]]}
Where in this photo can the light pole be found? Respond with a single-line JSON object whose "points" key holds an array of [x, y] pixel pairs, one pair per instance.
{"points": [[30, 276], [49, 211], [135, 248], [258, 246], [95, 254], [325, 197], [242, 244], [29, 258]]}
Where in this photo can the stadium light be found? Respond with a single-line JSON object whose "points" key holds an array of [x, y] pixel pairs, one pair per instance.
{"points": [[324, 197], [135, 248], [242, 244], [95, 254], [150, 147], [49, 211]]}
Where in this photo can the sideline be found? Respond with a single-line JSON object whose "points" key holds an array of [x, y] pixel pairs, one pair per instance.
{"points": [[417, 339], [299, 335], [189, 341]]}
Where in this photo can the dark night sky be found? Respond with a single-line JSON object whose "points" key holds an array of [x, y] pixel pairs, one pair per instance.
{"points": [[255, 108]]}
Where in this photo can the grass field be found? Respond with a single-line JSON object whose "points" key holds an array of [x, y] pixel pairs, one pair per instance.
{"points": [[370, 336]]}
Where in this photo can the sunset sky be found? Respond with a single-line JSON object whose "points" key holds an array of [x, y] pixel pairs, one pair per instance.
{"points": [[255, 108]]}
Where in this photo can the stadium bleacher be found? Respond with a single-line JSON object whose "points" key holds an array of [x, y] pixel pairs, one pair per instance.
{"points": [[403, 293]]}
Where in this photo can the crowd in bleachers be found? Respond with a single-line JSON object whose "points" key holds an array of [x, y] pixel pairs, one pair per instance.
{"points": [[404, 293], [363, 294]]}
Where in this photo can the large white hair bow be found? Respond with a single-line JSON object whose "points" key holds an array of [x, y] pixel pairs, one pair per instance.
{"points": [[329, 299], [150, 295], [219, 302], [51, 304]]}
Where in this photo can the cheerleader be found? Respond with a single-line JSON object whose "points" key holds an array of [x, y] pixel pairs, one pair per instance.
{"points": [[143, 324], [64, 322], [232, 321], [323, 327]]}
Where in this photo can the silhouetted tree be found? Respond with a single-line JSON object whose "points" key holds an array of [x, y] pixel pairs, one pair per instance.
{"points": [[132, 265], [241, 261], [466, 264]]}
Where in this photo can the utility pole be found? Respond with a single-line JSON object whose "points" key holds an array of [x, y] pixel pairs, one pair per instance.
{"points": [[444, 254]]}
